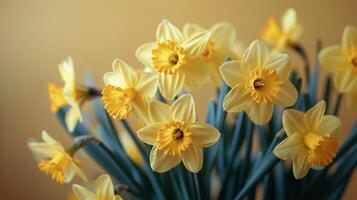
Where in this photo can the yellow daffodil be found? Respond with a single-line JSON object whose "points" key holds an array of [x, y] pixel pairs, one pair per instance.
{"points": [[56, 96], [219, 46], [341, 61], [176, 135], [176, 59], [103, 190], [311, 140], [280, 37], [127, 91], [55, 160], [130, 148], [258, 81]]}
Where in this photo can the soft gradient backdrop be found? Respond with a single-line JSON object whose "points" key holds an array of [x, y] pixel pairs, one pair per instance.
{"points": [[36, 35]]}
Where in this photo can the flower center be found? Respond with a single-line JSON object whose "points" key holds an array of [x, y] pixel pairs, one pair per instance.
{"points": [[208, 52], [263, 85], [168, 57], [56, 97], [117, 101], [174, 138], [56, 167], [322, 149]]}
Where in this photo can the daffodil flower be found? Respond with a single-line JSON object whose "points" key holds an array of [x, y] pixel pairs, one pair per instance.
{"points": [[311, 141], [219, 46], [341, 61], [176, 135], [176, 59], [280, 37], [55, 160], [103, 190], [258, 81], [56, 96], [128, 91]]}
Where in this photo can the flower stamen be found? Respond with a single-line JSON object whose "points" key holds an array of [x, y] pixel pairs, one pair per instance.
{"points": [[168, 57], [56, 167]]}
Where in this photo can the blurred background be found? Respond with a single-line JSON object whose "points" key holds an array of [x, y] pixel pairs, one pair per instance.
{"points": [[36, 35]]}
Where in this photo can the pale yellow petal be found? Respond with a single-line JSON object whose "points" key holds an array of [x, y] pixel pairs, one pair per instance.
{"points": [[260, 113], [301, 165], [104, 187], [314, 116], [141, 109], [223, 35], [345, 81], [113, 78], [257, 55], [47, 138], [203, 134], [171, 84], [192, 158], [237, 99], [289, 20], [69, 173], [43, 150], [349, 40], [159, 112], [295, 33], [196, 44], [184, 109], [288, 94], [144, 54], [148, 133], [161, 162], [293, 122], [189, 29], [334, 59], [128, 76], [147, 84], [281, 63], [72, 117], [82, 193], [214, 75], [196, 74], [232, 73], [351, 99], [78, 171], [167, 31], [290, 147], [66, 70], [330, 125]]}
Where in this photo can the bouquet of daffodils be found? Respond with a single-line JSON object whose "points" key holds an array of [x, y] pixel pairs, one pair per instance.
{"points": [[266, 135]]}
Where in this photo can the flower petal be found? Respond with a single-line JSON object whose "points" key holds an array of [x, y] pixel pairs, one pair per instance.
{"points": [[203, 134], [290, 147], [141, 109], [195, 45], [72, 117], [345, 81], [43, 150], [147, 84], [184, 109], [78, 170], [232, 73], [288, 94], [190, 29], [334, 59], [314, 116], [223, 35], [161, 162], [281, 63], [112, 78], [104, 187], [144, 54], [82, 193], [128, 76], [159, 112], [289, 20], [237, 99], [66, 70], [171, 84], [293, 122], [192, 158], [301, 165], [47, 138], [167, 31], [257, 55], [349, 39], [148, 133], [196, 74], [329, 125], [260, 113]]}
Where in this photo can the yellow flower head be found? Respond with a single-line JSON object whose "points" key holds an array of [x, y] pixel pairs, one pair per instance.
{"points": [[220, 45], [103, 190], [176, 135], [176, 59], [56, 96], [341, 61], [127, 91], [54, 160], [311, 141], [258, 81], [280, 37]]}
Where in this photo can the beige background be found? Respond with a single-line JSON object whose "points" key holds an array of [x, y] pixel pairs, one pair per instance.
{"points": [[36, 35]]}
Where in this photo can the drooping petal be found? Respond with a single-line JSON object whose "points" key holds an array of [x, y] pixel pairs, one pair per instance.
{"points": [[329, 125], [289, 20], [159, 112], [72, 117], [128, 76], [144, 54], [189, 29], [223, 35], [43, 150], [288, 94], [349, 40], [203, 134], [82, 193], [232, 73], [334, 59], [148, 133], [184, 109], [192, 158], [171, 84], [301, 165], [196, 74], [237, 99], [257, 55], [314, 116], [290, 147], [281, 63], [345, 81], [147, 84], [293, 122], [167, 31], [161, 162], [104, 187], [260, 113], [195, 45]]}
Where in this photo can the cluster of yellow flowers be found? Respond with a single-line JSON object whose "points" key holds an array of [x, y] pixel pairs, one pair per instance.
{"points": [[181, 61]]}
